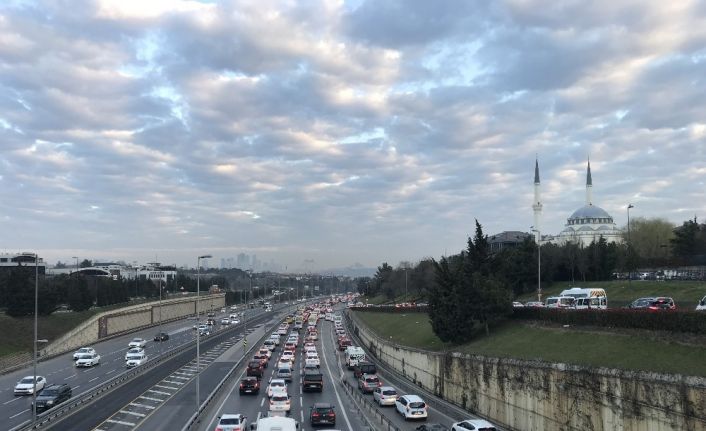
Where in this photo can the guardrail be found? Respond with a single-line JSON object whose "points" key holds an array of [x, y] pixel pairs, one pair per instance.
{"points": [[382, 423], [96, 392]]}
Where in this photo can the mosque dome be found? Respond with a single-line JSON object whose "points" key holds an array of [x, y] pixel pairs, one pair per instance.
{"points": [[590, 211]]}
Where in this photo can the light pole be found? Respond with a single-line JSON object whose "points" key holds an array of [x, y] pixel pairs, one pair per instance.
{"points": [[159, 332], [198, 329], [539, 264], [629, 251], [34, 340], [405, 284]]}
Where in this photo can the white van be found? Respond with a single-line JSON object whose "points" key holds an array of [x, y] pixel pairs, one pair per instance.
{"points": [[587, 298], [275, 424], [353, 356], [560, 302]]}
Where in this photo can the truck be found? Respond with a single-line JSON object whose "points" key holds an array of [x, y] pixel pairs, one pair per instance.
{"points": [[354, 354]]}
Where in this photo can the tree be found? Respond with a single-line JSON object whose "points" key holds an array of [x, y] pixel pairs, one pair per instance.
{"points": [[649, 239], [20, 288], [86, 263], [79, 296], [689, 241], [447, 321]]}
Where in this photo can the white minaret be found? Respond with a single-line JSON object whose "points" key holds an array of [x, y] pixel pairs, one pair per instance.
{"points": [[589, 185], [537, 204]]}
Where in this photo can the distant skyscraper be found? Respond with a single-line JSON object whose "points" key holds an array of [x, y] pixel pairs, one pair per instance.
{"points": [[243, 261]]}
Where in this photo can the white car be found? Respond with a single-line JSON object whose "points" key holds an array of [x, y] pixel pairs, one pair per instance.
{"points": [[275, 339], [473, 424], [287, 355], [225, 321], [88, 360], [134, 351], [280, 402], [82, 351], [385, 396], [135, 360], [276, 385], [233, 316], [26, 385], [138, 342], [309, 347], [312, 359], [231, 422], [265, 351], [411, 407]]}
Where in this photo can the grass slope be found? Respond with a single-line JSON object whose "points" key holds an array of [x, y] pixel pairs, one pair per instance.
{"points": [[516, 340]]}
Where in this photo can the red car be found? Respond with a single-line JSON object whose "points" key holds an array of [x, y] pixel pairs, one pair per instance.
{"points": [[264, 360], [249, 385], [255, 368], [343, 343], [662, 304]]}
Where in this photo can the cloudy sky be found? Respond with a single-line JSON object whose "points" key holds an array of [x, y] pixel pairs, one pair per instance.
{"points": [[339, 131]]}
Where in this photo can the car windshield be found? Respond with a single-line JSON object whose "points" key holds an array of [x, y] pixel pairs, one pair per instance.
{"points": [[50, 392], [389, 392], [279, 398], [27, 380], [230, 421], [371, 379], [417, 405], [85, 356], [324, 410], [314, 377]]}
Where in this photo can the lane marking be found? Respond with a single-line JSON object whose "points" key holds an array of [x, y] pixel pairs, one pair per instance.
{"points": [[159, 400], [14, 399], [335, 390], [128, 412], [159, 392], [130, 424], [93, 379], [167, 387], [144, 406], [173, 382], [14, 416]]}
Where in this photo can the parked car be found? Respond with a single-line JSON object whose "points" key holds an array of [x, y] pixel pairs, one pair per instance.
{"points": [[411, 407], [322, 413], [368, 382], [138, 342], [232, 422], [88, 360], [53, 395], [249, 385], [385, 395], [473, 424], [255, 368], [162, 336], [82, 351], [26, 386]]}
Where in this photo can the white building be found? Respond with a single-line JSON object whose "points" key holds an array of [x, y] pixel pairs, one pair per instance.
{"points": [[585, 225], [12, 260]]}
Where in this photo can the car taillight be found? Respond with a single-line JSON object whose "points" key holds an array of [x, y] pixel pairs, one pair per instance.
{"points": [[242, 385], [219, 429], [316, 415]]}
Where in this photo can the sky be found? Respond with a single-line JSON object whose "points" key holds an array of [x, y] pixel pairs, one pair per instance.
{"points": [[339, 132]]}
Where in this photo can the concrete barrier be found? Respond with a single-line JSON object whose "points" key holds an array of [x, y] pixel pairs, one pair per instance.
{"points": [[535, 395], [120, 321]]}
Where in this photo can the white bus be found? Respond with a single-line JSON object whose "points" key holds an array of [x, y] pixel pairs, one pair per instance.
{"points": [[587, 298]]}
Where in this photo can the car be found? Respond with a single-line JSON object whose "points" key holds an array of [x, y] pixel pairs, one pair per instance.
{"points": [[284, 372], [26, 386], [270, 345], [83, 350], [52, 395], [88, 360], [223, 310], [517, 304], [162, 336], [432, 427], [287, 355], [411, 407], [343, 343], [255, 368], [640, 303], [225, 321], [249, 385], [538, 304], [473, 424], [385, 395], [701, 306], [322, 413], [275, 339], [232, 422], [134, 350], [264, 360], [276, 385], [211, 322], [364, 368], [281, 402], [368, 382], [135, 359], [137, 342], [312, 380], [312, 359], [265, 351]]}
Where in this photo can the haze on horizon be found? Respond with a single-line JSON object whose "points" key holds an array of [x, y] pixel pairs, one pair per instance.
{"points": [[336, 132]]}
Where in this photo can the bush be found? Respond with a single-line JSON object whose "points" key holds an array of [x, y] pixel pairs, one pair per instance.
{"points": [[392, 309], [674, 321]]}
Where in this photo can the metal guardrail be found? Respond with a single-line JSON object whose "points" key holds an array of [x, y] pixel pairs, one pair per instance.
{"points": [[382, 423]]}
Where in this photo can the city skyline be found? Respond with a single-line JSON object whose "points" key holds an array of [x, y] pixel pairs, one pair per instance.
{"points": [[326, 134]]}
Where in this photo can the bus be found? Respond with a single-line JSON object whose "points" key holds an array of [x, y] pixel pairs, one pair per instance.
{"points": [[585, 299]]}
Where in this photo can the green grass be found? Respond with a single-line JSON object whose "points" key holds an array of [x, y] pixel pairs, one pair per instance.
{"points": [[685, 293], [518, 340]]}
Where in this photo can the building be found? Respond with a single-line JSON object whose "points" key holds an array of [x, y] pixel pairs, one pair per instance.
{"points": [[585, 225], [13, 260], [506, 239]]}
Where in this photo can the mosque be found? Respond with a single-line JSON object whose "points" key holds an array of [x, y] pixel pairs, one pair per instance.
{"points": [[587, 224]]}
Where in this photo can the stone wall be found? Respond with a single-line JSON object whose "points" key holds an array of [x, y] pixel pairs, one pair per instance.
{"points": [[529, 395], [115, 322]]}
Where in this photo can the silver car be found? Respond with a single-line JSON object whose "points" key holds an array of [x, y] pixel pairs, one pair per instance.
{"points": [[385, 395]]}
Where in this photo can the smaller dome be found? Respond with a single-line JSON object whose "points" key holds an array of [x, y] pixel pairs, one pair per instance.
{"points": [[590, 211], [585, 229]]}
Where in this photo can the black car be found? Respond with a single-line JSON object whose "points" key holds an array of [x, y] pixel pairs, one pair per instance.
{"points": [[432, 427], [313, 380], [322, 413], [162, 336], [249, 385], [53, 395], [364, 368]]}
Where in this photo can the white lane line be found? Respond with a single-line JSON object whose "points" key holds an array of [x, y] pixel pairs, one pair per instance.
{"points": [[159, 392], [93, 379], [173, 382], [181, 377], [70, 377], [111, 371], [128, 412], [23, 411], [335, 390], [262, 403], [302, 414], [130, 424], [144, 406], [167, 387], [159, 400], [11, 401]]}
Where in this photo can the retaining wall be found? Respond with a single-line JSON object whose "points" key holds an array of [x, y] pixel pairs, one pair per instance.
{"points": [[533, 395], [115, 322]]}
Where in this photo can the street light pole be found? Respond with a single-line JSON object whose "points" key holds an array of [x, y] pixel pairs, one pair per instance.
{"points": [[34, 341], [405, 285], [198, 329], [629, 251]]}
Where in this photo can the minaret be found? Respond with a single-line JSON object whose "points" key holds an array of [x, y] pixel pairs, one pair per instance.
{"points": [[589, 185], [537, 204]]}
